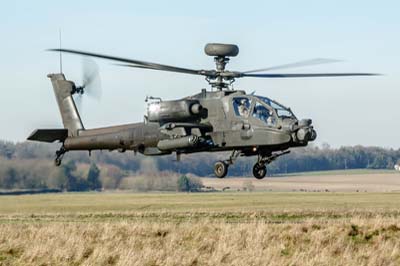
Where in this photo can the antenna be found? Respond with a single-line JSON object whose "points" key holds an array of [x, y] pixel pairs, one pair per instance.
{"points": [[60, 52]]}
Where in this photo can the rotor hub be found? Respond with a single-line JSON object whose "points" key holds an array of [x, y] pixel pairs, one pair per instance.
{"points": [[221, 79]]}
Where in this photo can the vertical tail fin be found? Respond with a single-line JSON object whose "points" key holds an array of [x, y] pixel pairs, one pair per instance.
{"points": [[69, 113]]}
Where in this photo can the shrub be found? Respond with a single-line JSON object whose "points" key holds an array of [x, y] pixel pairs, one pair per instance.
{"points": [[187, 184], [93, 179]]}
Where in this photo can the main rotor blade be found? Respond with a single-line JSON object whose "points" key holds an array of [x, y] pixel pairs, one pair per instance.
{"points": [[311, 62], [316, 75], [156, 68], [132, 61]]}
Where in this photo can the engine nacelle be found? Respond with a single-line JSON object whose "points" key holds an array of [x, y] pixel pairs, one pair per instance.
{"points": [[179, 143], [174, 111]]}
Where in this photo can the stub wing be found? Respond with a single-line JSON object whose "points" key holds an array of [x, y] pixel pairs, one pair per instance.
{"points": [[49, 135]]}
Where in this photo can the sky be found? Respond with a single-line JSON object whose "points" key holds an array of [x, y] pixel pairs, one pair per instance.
{"points": [[345, 111]]}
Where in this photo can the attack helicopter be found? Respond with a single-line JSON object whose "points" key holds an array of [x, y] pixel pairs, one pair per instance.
{"points": [[216, 120]]}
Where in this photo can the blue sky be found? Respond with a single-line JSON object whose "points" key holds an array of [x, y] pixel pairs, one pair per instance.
{"points": [[345, 111]]}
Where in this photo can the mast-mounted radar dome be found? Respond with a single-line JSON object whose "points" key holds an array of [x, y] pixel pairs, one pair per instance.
{"points": [[220, 49]]}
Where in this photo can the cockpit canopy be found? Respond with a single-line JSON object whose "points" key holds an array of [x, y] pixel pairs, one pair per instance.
{"points": [[261, 108], [280, 110]]}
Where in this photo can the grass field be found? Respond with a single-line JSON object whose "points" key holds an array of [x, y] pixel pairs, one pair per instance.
{"points": [[260, 228]]}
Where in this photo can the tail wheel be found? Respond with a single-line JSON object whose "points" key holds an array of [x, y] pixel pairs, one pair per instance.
{"points": [[57, 162], [220, 169], [259, 171]]}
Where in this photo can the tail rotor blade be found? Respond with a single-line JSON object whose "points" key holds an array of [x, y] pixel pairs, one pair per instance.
{"points": [[79, 102], [91, 78]]}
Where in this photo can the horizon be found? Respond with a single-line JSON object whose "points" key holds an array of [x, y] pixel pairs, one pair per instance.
{"points": [[311, 145]]}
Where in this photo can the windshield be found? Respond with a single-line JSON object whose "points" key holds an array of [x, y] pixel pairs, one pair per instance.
{"points": [[264, 114], [280, 110]]}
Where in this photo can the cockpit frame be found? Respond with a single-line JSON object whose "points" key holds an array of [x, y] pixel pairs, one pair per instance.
{"points": [[251, 102]]}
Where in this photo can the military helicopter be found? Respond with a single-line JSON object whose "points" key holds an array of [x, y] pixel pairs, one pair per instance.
{"points": [[220, 119]]}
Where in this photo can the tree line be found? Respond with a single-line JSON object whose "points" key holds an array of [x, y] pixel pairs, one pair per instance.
{"points": [[29, 165]]}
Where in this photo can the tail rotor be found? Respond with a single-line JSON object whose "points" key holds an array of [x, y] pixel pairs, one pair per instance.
{"points": [[91, 84]]}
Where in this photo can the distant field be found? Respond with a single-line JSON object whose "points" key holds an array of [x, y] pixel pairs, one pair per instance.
{"points": [[260, 228], [328, 181], [343, 172]]}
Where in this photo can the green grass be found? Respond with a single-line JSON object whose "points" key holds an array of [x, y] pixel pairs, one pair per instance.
{"points": [[267, 206]]}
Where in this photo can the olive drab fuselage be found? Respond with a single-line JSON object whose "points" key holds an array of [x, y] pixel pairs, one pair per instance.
{"points": [[210, 121]]}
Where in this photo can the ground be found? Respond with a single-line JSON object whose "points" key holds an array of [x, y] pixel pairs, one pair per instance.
{"points": [[223, 228], [358, 180]]}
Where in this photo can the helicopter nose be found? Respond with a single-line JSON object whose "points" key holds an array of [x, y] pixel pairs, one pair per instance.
{"points": [[305, 131], [313, 135]]}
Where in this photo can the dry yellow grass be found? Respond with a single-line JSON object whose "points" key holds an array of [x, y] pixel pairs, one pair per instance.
{"points": [[201, 229], [354, 242]]}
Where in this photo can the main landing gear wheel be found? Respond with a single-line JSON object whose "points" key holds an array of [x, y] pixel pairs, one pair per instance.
{"points": [[220, 169], [259, 171]]}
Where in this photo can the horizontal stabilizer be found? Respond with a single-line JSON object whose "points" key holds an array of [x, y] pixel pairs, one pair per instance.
{"points": [[49, 135]]}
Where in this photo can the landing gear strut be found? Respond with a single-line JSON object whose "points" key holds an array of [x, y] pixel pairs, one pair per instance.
{"points": [[221, 167], [59, 155], [260, 169]]}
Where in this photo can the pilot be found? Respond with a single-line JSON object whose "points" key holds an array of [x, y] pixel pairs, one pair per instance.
{"points": [[261, 113], [243, 110], [264, 115], [270, 119]]}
